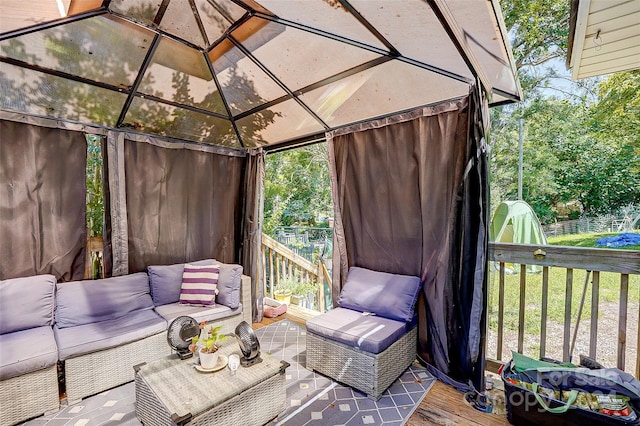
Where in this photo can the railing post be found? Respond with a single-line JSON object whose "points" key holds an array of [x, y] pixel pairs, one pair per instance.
{"points": [[622, 324], [545, 309], [595, 300], [523, 292], [638, 346], [567, 315], [500, 311]]}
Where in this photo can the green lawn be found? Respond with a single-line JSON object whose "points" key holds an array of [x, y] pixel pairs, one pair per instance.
{"points": [[609, 290], [585, 240]]}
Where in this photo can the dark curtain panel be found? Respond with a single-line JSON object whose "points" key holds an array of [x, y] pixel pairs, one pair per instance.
{"points": [[407, 200], [42, 201], [182, 205], [252, 229], [107, 257]]}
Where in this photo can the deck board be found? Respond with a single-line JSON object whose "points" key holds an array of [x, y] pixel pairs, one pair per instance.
{"points": [[443, 405]]}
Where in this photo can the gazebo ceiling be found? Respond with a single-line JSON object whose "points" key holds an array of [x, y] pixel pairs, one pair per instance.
{"points": [[244, 73]]}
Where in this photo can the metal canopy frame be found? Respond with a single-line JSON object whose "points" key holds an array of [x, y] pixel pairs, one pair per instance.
{"points": [[459, 38]]}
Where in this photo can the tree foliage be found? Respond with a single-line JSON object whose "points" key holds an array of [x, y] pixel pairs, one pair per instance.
{"points": [[297, 188], [581, 143]]}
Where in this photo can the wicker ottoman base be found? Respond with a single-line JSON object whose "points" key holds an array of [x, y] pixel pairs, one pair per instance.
{"points": [[29, 395], [98, 371], [364, 371], [171, 392]]}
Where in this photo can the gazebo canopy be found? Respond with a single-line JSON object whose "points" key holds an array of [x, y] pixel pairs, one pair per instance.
{"points": [[245, 73]]}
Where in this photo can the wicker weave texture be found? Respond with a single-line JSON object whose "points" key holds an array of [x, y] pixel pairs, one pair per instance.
{"points": [[245, 298], [98, 371], [367, 372], [29, 395], [255, 406]]}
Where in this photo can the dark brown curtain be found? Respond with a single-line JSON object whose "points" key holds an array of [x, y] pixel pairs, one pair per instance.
{"points": [[181, 205], [252, 229], [42, 201], [399, 199]]}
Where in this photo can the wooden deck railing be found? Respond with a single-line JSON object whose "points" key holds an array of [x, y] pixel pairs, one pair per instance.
{"points": [[280, 262], [593, 261]]}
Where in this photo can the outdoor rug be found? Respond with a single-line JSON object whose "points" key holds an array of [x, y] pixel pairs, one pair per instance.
{"points": [[312, 399]]}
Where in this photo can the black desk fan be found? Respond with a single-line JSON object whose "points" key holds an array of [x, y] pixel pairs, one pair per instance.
{"points": [[249, 345], [180, 333]]}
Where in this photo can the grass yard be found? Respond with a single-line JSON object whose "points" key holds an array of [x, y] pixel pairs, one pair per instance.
{"points": [[585, 240], [609, 290]]}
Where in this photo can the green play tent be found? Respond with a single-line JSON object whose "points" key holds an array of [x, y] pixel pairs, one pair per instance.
{"points": [[516, 222]]}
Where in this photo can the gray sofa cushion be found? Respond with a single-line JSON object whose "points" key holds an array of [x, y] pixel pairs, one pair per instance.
{"points": [[91, 301], [25, 351], [369, 333], [229, 282], [200, 313], [93, 337], [165, 281], [387, 295], [26, 302]]}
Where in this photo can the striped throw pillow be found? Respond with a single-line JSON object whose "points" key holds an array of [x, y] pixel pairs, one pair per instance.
{"points": [[199, 285]]}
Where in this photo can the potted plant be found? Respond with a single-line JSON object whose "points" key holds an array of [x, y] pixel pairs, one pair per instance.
{"points": [[300, 293], [208, 342], [282, 292]]}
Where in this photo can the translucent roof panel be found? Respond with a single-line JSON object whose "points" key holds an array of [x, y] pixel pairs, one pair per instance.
{"points": [[143, 11], [179, 73], [330, 17], [316, 57], [47, 95], [377, 92], [167, 120], [85, 49], [244, 84], [247, 73], [218, 16], [184, 25], [408, 27], [480, 27], [16, 14], [282, 122]]}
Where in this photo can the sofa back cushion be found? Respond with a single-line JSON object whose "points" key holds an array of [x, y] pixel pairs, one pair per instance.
{"points": [[26, 302], [89, 301], [229, 283], [166, 280], [387, 295]]}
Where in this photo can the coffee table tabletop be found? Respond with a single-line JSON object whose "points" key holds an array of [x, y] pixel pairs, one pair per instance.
{"points": [[185, 391]]}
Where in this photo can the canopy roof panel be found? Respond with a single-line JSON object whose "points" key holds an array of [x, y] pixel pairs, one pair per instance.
{"points": [[245, 73], [604, 37]]}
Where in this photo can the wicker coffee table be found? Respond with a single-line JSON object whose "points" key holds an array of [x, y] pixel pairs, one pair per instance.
{"points": [[171, 391]]}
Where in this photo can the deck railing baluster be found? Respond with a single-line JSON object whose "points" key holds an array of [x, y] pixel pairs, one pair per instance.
{"points": [[545, 308], [501, 310], [523, 292], [622, 322], [566, 340], [595, 300]]}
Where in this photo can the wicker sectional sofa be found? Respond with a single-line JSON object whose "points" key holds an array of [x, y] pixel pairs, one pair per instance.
{"points": [[99, 329], [28, 350]]}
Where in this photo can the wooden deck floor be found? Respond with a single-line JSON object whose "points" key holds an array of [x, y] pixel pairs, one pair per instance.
{"points": [[443, 405]]}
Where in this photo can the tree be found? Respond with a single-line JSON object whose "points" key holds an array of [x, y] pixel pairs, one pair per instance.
{"points": [[297, 188]]}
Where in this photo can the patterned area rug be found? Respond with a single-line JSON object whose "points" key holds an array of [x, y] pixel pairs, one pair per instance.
{"points": [[316, 400], [312, 399]]}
